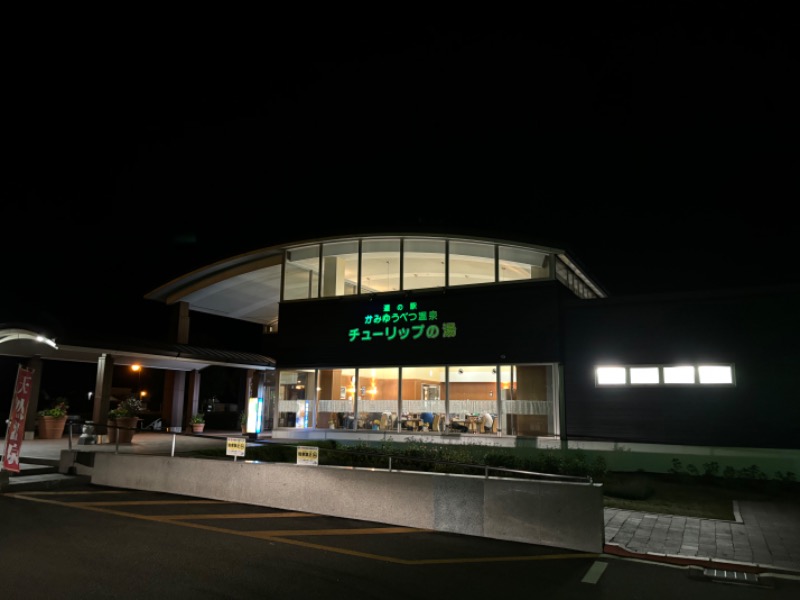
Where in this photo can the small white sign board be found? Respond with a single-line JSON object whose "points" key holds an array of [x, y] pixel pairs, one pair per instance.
{"points": [[307, 455], [236, 446]]}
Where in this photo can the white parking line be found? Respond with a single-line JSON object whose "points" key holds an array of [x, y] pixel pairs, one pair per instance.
{"points": [[595, 572]]}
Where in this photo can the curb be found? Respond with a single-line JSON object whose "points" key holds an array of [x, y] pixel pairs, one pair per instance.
{"points": [[688, 561]]}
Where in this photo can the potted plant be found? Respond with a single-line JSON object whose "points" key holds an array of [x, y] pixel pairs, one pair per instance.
{"points": [[198, 422], [243, 421], [122, 421], [50, 422]]}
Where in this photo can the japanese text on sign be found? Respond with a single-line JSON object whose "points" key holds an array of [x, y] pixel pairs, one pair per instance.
{"points": [[16, 422], [236, 446], [402, 323], [307, 455]]}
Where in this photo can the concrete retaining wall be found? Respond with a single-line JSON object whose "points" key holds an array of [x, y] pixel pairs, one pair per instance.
{"points": [[563, 515]]}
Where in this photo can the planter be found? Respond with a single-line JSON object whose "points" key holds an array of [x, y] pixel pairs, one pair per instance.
{"points": [[198, 427], [51, 428], [122, 429], [111, 431]]}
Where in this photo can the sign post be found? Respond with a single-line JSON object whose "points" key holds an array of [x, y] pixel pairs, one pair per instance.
{"points": [[236, 446], [16, 421]]}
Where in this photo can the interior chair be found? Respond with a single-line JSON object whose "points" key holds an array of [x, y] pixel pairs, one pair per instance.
{"points": [[436, 424], [384, 421], [481, 424], [472, 424], [494, 424]]}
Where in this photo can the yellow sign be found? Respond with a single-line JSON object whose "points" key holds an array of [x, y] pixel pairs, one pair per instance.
{"points": [[236, 446], [307, 455]]}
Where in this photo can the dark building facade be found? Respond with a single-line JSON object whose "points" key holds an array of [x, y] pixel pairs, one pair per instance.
{"points": [[471, 340], [708, 370], [754, 331]]}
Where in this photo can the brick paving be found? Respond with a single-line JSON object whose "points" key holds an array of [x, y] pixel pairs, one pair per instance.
{"points": [[764, 534]]}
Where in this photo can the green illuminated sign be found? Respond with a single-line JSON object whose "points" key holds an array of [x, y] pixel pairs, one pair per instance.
{"points": [[398, 323]]}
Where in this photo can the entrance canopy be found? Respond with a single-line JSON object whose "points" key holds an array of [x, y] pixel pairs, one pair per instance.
{"points": [[28, 342]]}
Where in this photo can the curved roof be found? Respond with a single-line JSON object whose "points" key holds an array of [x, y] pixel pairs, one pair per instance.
{"points": [[248, 286]]}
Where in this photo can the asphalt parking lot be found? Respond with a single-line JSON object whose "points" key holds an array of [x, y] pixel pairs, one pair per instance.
{"points": [[376, 541], [92, 541]]}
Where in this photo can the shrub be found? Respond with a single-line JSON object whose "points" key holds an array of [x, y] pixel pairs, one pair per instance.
{"points": [[59, 409], [130, 407], [710, 469]]}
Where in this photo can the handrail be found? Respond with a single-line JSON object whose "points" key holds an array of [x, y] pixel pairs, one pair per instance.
{"points": [[391, 458], [486, 468]]}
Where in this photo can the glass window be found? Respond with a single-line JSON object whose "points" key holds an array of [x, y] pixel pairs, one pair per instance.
{"points": [[270, 401], [472, 393], [336, 393], [529, 404], [719, 374], [489, 399], [681, 374], [471, 263], [380, 266], [301, 273], [366, 266], [377, 398], [715, 374], [423, 264], [522, 263], [423, 403], [610, 375], [339, 269], [296, 393], [644, 375]]}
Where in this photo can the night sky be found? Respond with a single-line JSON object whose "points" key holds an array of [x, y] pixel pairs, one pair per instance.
{"points": [[654, 141]]}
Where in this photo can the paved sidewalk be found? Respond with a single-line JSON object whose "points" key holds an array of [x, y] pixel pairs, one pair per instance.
{"points": [[764, 537]]}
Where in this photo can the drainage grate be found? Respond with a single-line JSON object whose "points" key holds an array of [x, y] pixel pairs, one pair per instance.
{"points": [[730, 576]]}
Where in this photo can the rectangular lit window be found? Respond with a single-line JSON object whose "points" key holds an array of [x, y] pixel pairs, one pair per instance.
{"points": [[679, 374], [521, 263], [644, 375], [660, 375], [301, 273], [610, 376], [715, 374], [471, 263], [339, 269]]}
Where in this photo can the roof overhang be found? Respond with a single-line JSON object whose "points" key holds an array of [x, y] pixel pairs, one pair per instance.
{"points": [[29, 343]]}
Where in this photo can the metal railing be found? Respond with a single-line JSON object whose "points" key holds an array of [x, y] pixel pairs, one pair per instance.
{"points": [[368, 460], [445, 464], [354, 458]]}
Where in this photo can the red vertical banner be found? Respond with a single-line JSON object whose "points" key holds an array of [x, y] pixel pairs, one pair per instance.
{"points": [[15, 432]]}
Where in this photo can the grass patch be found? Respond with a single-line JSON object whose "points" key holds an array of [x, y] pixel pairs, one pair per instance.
{"points": [[688, 496]]}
